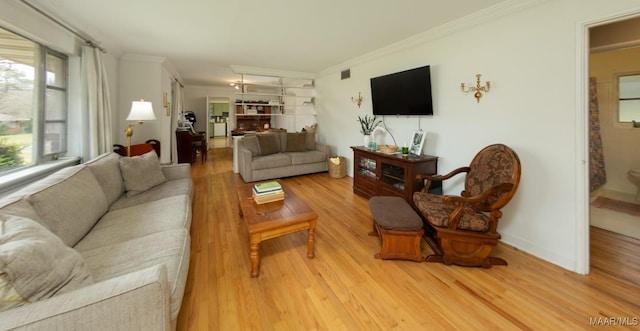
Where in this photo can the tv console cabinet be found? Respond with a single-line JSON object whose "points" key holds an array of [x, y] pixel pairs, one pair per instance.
{"points": [[376, 173]]}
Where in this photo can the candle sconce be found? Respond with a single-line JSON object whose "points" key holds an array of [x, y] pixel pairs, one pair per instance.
{"points": [[165, 103], [358, 100], [478, 89]]}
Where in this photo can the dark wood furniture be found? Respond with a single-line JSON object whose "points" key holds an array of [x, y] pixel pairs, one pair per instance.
{"points": [[253, 122], [465, 226], [139, 149], [274, 219], [399, 228], [188, 143], [376, 173]]}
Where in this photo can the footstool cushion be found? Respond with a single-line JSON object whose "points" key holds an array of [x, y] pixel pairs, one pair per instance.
{"points": [[394, 213], [399, 227]]}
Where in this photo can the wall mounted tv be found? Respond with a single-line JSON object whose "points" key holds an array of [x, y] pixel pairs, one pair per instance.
{"points": [[403, 93]]}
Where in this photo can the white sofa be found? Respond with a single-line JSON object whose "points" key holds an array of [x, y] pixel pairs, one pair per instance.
{"points": [[277, 155], [103, 245]]}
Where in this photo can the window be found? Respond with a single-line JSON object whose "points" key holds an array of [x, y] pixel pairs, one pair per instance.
{"points": [[33, 102], [629, 98]]}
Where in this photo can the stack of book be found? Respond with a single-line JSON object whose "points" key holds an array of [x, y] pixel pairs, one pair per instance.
{"points": [[267, 192]]}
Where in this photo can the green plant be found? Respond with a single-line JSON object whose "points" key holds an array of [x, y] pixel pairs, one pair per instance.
{"points": [[9, 155], [368, 123]]}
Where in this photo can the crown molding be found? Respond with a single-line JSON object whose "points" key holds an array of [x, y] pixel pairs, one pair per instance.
{"points": [[467, 22]]}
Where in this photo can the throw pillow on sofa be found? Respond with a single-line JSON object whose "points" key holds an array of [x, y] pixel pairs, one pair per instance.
{"points": [[72, 193], [267, 144], [310, 139], [35, 264], [296, 142], [141, 173], [251, 143]]}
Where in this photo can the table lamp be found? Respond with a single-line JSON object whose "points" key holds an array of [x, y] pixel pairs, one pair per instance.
{"points": [[140, 111]]}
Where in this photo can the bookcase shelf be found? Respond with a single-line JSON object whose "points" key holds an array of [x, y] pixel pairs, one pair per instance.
{"points": [[263, 99]]}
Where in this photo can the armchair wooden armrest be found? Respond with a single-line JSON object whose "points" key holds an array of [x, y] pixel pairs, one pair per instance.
{"points": [[430, 178]]}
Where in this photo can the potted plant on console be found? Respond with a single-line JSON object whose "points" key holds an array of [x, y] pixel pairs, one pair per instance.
{"points": [[367, 125]]}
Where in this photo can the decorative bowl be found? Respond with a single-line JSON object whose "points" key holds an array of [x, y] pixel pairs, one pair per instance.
{"points": [[388, 148]]}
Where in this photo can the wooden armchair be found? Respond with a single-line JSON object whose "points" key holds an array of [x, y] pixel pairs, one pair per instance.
{"points": [[465, 226], [139, 149]]}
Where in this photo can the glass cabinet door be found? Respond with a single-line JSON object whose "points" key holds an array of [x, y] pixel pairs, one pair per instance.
{"points": [[367, 167], [393, 175]]}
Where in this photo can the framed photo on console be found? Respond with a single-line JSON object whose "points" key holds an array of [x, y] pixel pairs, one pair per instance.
{"points": [[417, 141]]}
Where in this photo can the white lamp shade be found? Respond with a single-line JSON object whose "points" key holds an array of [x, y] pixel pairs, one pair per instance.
{"points": [[141, 111]]}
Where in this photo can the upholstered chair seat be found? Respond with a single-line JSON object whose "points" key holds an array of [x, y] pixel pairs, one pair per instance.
{"points": [[438, 212]]}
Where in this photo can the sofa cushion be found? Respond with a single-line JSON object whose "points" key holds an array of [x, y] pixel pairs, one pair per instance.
{"points": [[69, 203], [37, 264], [137, 221], [16, 205], [268, 144], [310, 138], [296, 142], [174, 187], [170, 248], [308, 157], [251, 143], [271, 161], [9, 296], [281, 138], [106, 169], [141, 173]]}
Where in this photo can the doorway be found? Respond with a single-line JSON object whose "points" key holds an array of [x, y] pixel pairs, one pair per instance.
{"points": [[607, 40], [218, 131]]}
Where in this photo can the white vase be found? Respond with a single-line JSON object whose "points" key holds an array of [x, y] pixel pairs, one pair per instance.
{"points": [[366, 140]]}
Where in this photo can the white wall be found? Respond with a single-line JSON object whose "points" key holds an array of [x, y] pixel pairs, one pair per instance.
{"points": [[534, 64], [145, 77]]}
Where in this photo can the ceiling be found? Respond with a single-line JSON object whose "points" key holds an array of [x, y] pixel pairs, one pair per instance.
{"points": [[202, 38]]}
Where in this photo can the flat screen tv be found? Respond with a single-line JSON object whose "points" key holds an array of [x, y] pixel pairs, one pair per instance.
{"points": [[403, 93]]}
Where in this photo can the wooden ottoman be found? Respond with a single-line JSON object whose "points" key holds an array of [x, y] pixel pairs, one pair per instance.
{"points": [[399, 227]]}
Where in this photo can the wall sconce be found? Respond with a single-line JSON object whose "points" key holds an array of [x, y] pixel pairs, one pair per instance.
{"points": [[165, 103], [358, 100], [478, 89]]}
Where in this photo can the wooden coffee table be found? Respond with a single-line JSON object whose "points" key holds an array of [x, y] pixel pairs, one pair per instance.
{"points": [[274, 219]]}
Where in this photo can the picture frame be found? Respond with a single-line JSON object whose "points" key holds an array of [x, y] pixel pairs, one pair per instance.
{"points": [[417, 141]]}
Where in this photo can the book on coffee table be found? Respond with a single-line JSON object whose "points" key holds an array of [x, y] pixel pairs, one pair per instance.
{"points": [[267, 187], [257, 193], [269, 197]]}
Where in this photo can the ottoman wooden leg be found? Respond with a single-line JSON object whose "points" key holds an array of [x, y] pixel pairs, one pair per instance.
{"points": [[373, 232]]}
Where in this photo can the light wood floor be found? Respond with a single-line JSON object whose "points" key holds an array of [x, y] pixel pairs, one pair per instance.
{"points": [[345, 288]]}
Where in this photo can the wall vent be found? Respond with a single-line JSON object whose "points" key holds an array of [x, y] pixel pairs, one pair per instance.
{"points": [[345, 74]]}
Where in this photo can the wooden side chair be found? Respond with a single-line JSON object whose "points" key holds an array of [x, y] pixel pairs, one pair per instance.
{"points": [[139, 149], [465, 226]]}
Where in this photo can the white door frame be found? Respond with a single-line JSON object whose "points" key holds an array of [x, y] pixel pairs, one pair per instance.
{"points": [[582, 139]]}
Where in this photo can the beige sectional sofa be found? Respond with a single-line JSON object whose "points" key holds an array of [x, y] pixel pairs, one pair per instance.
{"points": [[277, 155], [103, 245]]}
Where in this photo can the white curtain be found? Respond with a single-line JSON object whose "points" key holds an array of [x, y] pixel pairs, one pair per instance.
{"points": [[97, 118], [177, 108]]}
